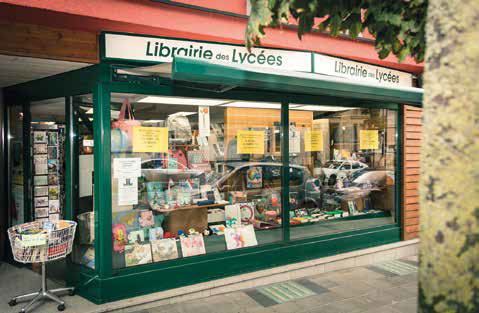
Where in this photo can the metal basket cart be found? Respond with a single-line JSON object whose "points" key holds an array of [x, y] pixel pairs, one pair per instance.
{"points": [[42, 241]]}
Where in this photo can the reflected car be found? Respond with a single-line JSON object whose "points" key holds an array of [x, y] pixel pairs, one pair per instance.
{"points": [[366, 181], [303, 187], [341, 169]]}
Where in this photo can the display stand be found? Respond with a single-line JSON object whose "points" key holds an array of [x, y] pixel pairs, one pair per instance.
{"points": [[42, 242]]}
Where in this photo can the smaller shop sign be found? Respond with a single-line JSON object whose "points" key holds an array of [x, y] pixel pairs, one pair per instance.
{"points": [[360, 71], [313, 140], [369, 139], [250, 142], [150, 139]]}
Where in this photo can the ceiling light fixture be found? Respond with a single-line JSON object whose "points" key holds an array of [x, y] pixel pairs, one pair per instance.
{"points": [[182, 101]]}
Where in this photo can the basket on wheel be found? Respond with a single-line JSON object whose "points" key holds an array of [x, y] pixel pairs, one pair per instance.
{"points": [[41, 241]]}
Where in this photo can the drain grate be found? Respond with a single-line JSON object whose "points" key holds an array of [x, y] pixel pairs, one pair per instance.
{"points": [[395, 267]]}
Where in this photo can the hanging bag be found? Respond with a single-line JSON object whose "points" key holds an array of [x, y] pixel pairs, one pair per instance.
{"points": [[125, 125]]}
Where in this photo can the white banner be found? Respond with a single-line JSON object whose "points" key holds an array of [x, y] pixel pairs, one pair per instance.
{"points": [[155, 49], [360, 71]]}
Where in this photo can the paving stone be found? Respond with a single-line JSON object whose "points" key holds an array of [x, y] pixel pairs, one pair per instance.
{"points": [[381, 309], [406, 306], [328, 308], [324, 282], [400, 294], [352, 289], [353, 305]]}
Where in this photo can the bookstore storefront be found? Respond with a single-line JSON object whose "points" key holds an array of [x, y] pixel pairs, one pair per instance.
{"points": [[187, 161]]}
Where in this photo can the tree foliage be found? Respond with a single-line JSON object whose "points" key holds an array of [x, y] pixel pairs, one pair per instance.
{"points": [[398, 26]]}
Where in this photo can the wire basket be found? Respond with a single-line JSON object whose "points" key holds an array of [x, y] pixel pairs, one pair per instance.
{"points": [[41, 241]]}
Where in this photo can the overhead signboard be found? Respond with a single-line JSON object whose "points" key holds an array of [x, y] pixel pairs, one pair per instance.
{"points": [[156, 49], [160, 50], [360, 71]]}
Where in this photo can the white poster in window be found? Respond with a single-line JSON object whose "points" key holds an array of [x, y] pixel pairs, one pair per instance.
{"points": [[204, 121], [127, 191], [126, 167], [294, 141]]}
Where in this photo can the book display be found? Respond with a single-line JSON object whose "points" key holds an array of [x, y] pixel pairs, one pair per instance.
{"points": [[47, 171], [193, 183]]}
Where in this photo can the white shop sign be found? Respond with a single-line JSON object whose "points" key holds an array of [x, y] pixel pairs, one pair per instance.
{"points": [[162, 50], [157, 49], [360, 71]]}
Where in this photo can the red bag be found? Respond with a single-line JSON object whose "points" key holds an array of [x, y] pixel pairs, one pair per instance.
{"points": [[126, 125]]}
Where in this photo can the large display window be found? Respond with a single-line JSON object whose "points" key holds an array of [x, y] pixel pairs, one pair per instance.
{"points": [[193, 176]]}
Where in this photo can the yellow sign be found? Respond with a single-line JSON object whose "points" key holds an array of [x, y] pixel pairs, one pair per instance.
{"points": [[250, 142], [368, 139], [150, 139], [313, 140]]}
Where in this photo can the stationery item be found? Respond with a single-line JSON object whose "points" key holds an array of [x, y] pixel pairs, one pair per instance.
{"points": [[240, 237], [179, 128], [52, 152], [217, 229], [39, 137], [254, 177], [130, 219], [53, 167], [119, 237], [247, 212], [40, 202], [54, 217], [164, 249], [179, 160], [40, 148], [204, 120], [192, 245], [54, 206], [232, 215], [40, 169], [155, 233], [53, 179], [155, 194], [53, 192], [40, 180], [146, 219], [137, 254], [40, 191], [40, 159], [198, 159], [52, 138], [41, 212], [136, 236]]}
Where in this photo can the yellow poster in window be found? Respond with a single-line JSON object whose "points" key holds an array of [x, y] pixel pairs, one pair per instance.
{"points": [[250, 142], [369, 139], [150, 139], [313, 140]]}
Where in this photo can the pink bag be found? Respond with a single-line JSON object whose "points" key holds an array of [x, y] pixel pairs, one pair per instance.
{"points": [[126, 125]]}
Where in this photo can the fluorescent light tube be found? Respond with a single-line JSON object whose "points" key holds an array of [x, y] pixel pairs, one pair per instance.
{"points": [[253, 105], [319, 108], [181, 101]]}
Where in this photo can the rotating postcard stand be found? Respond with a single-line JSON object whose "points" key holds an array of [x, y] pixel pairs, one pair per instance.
{"points": [[42, 241]]}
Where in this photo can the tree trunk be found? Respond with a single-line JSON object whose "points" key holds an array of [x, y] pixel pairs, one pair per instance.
{"points": [[449, 183]]}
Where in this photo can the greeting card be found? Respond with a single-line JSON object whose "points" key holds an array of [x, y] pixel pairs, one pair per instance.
{"points": [[137, 254], [192, 245], [146, 219], [240, 237], [164, 249]]}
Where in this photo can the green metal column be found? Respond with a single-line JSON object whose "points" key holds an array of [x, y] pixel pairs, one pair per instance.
{"points": [[102, 180], [285, 168]]}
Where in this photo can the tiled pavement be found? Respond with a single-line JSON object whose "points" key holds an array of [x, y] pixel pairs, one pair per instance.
{"points": [[387, 287]]}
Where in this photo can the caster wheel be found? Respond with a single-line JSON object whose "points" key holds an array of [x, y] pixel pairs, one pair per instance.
{"points": [[71, 293], [61, 307], [12, 302]]}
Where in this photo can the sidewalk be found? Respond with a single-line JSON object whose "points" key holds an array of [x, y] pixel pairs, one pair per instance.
{"points": [[384, 287]]}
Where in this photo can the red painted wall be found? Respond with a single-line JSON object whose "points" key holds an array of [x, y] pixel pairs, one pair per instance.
{"points": [[153, 18]]}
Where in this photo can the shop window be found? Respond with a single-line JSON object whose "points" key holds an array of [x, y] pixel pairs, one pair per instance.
{"points": [[16, 167], [348, 158], [192, 177], [83, 168]]}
